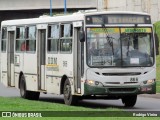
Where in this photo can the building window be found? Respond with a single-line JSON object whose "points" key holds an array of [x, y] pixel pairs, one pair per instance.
{"points": [[20, 39], [31, 38], [66, 38], [4, 38], [53, 38]]}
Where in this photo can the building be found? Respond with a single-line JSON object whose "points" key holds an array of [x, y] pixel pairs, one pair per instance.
{"points": [[16, 9], [149, 6]]}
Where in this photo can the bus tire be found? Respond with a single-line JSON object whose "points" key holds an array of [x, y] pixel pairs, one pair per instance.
{"points": [[69, 99], [129, 100], [25, 93]]}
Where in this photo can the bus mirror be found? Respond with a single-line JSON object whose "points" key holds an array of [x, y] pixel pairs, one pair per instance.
{"points": [[156, 43], [81, 36]]}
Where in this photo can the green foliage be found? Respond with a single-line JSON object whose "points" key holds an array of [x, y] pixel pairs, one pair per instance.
{"points": [[19, 104], [157, 30]]}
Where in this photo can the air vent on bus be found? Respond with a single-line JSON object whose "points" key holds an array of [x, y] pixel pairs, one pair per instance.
{"points": [[122, 89], [115, 83], [130, 82], [122, 74], [97, 73]]}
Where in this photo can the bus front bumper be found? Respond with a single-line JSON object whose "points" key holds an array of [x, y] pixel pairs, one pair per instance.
{"points": [[120, 90]]}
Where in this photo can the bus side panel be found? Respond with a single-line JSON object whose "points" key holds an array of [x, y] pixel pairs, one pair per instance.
{"points": [[4, 79], [53, 85], [31, 82], [18, 67], [62, 65], [65, 62], [30, 71], [53, 75], [16, 77]]}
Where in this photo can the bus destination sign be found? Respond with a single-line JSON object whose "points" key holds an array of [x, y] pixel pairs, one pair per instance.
{"points": [[126, 19], [118, 19]]}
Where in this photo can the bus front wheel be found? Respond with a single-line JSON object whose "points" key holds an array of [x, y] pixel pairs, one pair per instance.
{"points": [[25, 93], [129, 101], [69, 99]]}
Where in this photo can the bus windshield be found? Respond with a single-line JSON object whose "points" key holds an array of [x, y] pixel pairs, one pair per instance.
{"points": [[120, 47]]}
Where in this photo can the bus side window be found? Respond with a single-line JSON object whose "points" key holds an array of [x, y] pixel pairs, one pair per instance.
{"points": [[66, 38], [31, 38], [53, 38], [20, 39], [4, 38]]}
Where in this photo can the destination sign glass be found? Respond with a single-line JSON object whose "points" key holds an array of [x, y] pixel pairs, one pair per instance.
{"points": [[118, 19], [126, 19]]}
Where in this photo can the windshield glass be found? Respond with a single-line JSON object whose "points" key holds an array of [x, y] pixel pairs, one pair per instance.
{"points": [[119, 47]]}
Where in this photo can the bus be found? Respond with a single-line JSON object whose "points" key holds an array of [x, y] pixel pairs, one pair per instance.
{"points": [[84, 55]]}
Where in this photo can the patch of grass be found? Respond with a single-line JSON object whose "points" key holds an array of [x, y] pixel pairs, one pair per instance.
{"points": [[157, 30], [158, 87], [158, 68], [158, 74], [19, 104]]}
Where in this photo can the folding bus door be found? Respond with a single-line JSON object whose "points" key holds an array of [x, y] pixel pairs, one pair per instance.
{"points": [[10, 58], [41, 56]]}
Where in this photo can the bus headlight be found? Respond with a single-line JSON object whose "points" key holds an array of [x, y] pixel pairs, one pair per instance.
{"points": [[93, 83], [148, 82], [90, 82]]}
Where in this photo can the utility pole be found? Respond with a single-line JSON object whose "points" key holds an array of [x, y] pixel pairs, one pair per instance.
{"points": [[65, 6], [50, 7]]}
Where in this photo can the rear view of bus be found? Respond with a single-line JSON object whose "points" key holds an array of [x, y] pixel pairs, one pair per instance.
{"points": [[120, 56]]}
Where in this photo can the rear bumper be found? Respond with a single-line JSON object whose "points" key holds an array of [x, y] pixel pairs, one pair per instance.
{"points": [[120, 91]]}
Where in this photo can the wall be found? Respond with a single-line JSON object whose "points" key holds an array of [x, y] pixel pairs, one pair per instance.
{"points": [[150, 6]]}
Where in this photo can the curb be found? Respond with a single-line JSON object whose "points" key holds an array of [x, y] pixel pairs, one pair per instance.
{"points": [[157, 96]]}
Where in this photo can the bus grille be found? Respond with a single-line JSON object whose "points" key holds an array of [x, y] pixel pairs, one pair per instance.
{"points": [[122, 89], [121, 74]]}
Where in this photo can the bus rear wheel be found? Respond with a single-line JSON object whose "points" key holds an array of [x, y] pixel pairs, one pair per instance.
{"points": [[129, 101], [69, 99], [25, 93]]}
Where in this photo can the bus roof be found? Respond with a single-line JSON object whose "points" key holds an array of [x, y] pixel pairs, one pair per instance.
{"points": [[63, 18], [87, 12]]}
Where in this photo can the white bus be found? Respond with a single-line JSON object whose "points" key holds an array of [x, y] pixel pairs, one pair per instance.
{"points": [[86, 55]]}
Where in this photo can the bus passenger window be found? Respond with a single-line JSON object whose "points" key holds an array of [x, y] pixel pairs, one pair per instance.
{"points": [[20, 38], [66, 45], [4, 37], [31, 38], [53, 38], [66, 38]]}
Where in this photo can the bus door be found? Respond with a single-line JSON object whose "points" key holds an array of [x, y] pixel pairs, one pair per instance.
{"points": [[41, 56], [78, 57], [10, 56]]}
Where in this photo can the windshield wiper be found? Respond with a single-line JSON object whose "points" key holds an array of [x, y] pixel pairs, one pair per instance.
{"points": [[108, 38]]}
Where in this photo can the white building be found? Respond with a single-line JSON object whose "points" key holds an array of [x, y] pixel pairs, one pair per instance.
{"points": [[150, 6]]}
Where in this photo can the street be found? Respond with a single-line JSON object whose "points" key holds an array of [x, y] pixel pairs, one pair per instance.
{"points": [[143, 103]]}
